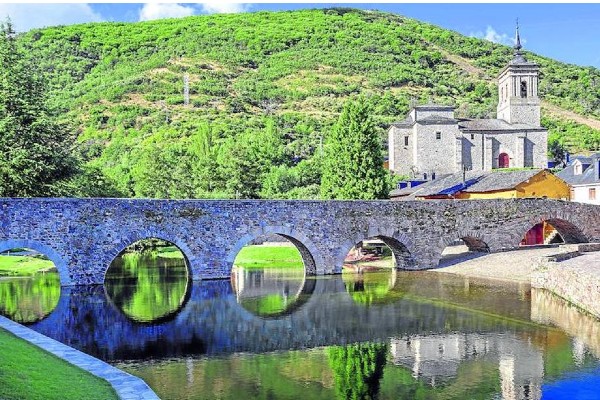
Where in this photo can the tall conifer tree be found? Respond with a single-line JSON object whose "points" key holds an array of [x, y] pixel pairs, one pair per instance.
{"points": [[353, 163], [35, 151]]}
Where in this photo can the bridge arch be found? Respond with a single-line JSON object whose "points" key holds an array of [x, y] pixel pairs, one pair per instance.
{"points": [[192, 267], [311, 256], [400, 244], [565, 227], [48, 251], [476, 242]]}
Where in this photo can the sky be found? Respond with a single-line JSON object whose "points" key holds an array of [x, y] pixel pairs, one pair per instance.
{"points": [[566, 32]]}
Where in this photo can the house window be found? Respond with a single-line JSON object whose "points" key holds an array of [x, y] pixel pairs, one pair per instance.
{"points": [[592, 194], [577, 169], [438, 135], [406, 140], [472, 136]]}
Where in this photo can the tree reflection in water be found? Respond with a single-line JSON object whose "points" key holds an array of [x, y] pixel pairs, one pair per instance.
{"points": [[29, 299], [357, 369], [147, 287]]}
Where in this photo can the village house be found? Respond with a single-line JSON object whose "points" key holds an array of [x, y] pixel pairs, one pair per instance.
{"points": [[431, 141], [582, 174], [500, 184]]}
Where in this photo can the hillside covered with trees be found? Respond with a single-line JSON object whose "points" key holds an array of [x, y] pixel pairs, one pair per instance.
{"points": [[265, 90]]}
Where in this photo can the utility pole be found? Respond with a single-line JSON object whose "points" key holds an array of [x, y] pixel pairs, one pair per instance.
{"points": [[186, 89]]}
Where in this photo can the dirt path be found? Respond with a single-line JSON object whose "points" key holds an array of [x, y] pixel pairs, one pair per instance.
{"points": [[513, 266], [566, 114]]}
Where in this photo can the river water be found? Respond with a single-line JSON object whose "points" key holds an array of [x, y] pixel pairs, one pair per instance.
{"points": [[280, 335]]}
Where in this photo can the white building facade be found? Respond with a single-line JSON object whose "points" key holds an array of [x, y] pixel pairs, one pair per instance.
{"points": [[431, 141]]}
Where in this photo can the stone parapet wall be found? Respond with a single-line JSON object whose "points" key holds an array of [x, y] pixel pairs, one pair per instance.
{"points": [[576, 280]]}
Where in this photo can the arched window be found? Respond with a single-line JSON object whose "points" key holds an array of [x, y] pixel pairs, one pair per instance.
{"points": [[523, 89], [503, 160]]}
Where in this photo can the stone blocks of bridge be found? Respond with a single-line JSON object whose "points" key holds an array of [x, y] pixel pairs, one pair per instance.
{"points": [[82, 236]]}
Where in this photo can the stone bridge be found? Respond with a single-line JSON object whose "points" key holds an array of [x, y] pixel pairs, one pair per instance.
{"points": [[83, 236]]}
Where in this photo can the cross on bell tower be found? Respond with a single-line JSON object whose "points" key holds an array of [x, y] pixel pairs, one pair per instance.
{"points": [[518, 100]]}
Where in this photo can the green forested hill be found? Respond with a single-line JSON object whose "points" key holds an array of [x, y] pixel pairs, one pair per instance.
{"points": [[265, 88]]}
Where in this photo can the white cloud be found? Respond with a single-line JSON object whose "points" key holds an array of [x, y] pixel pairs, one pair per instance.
{"points": [[493, 36], [28, 16], [219, 7], [165, 10]]}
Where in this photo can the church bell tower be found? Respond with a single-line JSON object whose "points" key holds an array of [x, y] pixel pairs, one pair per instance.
{"points": [[518, 101]]}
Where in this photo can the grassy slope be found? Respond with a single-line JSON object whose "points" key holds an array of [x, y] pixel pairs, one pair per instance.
{"points": [[121, 84], [27, 372], [23, 265]]}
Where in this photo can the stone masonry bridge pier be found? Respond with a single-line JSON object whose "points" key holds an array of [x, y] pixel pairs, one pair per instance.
{"points": [[83, 236]]}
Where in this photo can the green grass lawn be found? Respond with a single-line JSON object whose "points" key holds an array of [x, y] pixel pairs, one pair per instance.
{"points": [[27, 373], [169, 252], [256, 257], [23, 265]]}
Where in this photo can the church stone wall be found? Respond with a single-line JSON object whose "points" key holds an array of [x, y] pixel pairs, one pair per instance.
{"points": [[436, 155], [401, 156], [472, 152]]}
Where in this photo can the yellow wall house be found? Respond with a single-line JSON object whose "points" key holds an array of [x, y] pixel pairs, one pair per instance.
{"points": [[502, 184], [496, 184]]}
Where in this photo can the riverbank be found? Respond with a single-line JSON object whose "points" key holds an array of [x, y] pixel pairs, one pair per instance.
{"points": [[576, 280], [571, 272], [24, 265], [514, 266], [22, 378]]}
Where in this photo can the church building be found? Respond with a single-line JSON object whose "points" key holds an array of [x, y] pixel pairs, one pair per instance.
{"points": [[431, 141]]}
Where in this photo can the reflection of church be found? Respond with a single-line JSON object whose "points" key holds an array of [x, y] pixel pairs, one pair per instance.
{"points": [[437, 359], [432, 141]]}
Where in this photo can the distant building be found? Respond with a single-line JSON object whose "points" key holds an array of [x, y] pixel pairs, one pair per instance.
{"points": [[582, 174], [488, 185], [431, 141]]}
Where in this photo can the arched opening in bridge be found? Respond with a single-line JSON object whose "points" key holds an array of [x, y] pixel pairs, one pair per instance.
{"points": [[462, 249], [29, 285], [149, 280], [269, 275], [552, 231], [369, 269]]}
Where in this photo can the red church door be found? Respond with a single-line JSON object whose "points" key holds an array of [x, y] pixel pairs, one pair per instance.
{"points": [[503, 160]]}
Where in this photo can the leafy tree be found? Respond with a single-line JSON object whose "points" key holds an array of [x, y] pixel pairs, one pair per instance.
{"points": [[357, 369], [36, 151], [557, 151], [353, 163]]}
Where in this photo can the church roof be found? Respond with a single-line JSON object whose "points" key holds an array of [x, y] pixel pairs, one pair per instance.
{"points": [[493, 125]]}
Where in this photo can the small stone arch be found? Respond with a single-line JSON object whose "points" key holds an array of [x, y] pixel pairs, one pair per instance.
{"points": [[311, 256], [400, 244], [475, 242], [192, 267], [57, 259], [569, 231]]}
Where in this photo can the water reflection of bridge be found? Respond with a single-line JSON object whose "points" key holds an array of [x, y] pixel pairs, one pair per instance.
{"points": [[212, 321]]}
